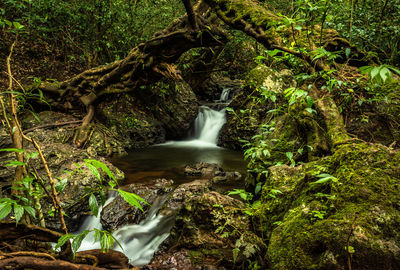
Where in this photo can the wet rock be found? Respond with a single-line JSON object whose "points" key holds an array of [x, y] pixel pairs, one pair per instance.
{"points": [[208, 227], [119, 213], [5, 140], [176, 110], [202, 169], [226, 177], [177, 198], [178, 260]]}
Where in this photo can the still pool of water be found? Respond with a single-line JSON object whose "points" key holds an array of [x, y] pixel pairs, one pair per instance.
{"points": [[167, 161]]}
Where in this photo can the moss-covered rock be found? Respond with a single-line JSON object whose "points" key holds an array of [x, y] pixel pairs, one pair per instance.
{"points": [[214, 230], [250, 106], [310, 221], [376, 119]]}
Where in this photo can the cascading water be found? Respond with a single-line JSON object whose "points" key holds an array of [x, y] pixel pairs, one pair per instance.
{"points": [[208, 124], [140, 241]]}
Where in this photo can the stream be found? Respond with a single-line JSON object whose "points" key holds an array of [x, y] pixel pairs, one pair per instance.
{"points": [[140, 241]]}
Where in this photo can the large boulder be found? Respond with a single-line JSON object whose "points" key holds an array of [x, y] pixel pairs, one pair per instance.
{"points": [[341, 207]]}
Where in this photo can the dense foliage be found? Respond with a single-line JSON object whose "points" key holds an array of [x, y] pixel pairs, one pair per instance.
{"points": [[372, 25], [97, 31]]}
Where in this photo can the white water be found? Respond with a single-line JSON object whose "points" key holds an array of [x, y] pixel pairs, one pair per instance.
{"points": [[140, 241], [225, 95], [208, 124]]}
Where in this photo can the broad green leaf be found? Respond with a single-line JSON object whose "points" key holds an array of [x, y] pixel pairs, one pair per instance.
{"points": [[5, 209], [396, 70], [76, 243], [374, 72], [94, 206], [347, 52], [18, 26], [60, 185], [18, 212], [132, 199], [30, 211], [385, 73], [63, 239], [101, 165], [289, 155], [94, 171], [104, 242], [258, 188]]}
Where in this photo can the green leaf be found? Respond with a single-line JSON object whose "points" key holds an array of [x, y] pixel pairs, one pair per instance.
{"points": [[235, 252], [30, 211], [15, 163], [76, 243], [94, 171], [289, 155], [12, 150], [132, 199], [298, 27], [347, 52], [258, 188], [94, 206], [18, 26], [18, 212], [63, 239], [385, 73], [60, 185], [5, 209], [374, 72], [101, 165], [32, 155]]}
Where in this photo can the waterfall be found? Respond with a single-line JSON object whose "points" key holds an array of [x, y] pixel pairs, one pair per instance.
{"points": [[208, 124], [209, 121], [139, 241], [225, 95]]}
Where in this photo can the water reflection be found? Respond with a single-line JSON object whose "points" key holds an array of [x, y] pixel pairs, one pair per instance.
{"points": [[167, 160]]}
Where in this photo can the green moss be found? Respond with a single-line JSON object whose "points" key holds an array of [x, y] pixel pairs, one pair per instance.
{"points": [[368, 186]]}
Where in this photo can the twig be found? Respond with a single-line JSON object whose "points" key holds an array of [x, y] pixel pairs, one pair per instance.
{"points": [[53, 125], [348, 242]]}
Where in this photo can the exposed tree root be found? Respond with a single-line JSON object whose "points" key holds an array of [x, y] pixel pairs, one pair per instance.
{"points": [[29, 262], [9, 231], [145, 64], [110, 259], [53, 125]]}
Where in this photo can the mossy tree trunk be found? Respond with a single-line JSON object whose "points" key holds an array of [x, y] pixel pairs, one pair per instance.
{"points": [[254, 19]]}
